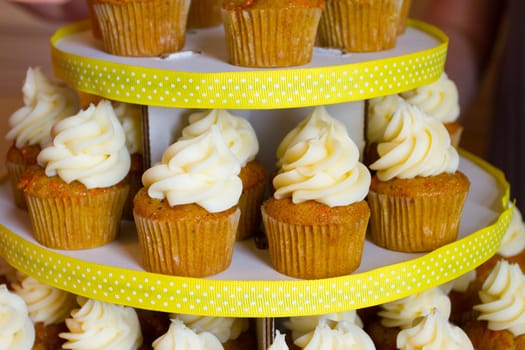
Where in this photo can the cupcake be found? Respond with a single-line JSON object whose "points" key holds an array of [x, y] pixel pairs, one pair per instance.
{"points": [[76, 194], [130, 116], [432, 331], [401, 314], [318, 212], [186, 214], [417, 194], [45, 102], [500, 322], [242, 141], [440, 100], [232, 332], [179, 336], [142, 28], [204, 14], [406, 5], [93, 20], [252, 27], [359, 25], [48, 308], [16, 328], [100, 325]]}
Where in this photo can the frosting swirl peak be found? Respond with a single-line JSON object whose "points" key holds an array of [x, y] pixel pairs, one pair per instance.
{"points": [[16, 329]]}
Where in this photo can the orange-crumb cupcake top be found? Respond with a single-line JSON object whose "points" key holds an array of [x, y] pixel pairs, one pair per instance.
{"points": [[233, 5]]}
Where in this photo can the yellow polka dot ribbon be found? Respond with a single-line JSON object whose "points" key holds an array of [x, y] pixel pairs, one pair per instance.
{"points": [[252, 89], [237, 298]]}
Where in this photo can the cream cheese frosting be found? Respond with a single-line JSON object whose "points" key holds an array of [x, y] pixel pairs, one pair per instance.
{"points": [[237, 132], [199, 170], [45, 102], [224, 328], [380, 111], [433, 332], [16, 328], [279, 342], [503, 299], [439, 99], [45, 303], [89, 147], [301, 325], [98, 325], [401, 313], [414, 144], [180, 337], [324, 168], [513, 241], [345, 336], [130, 116]]}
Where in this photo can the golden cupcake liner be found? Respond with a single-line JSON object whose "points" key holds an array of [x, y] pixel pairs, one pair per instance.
{"points": [[315, 251], [271, 37], [187, 247], [14, 172], [142, 28], [78, 221], [359, 25], [204, 13], [93, 20], [406, 5], [250, 206], [414, 224]]}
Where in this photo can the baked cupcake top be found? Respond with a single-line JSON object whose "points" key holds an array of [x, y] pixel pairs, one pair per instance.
{"points": [[273, 4], [414, 144], [324, 167], [200, 170], [45, 102], [224, 328], [98, 325], [89, 147], [433, 331], [45, 303], [16, 328], [513, 241], [502, 298], [345, 335], [439, 99], [237, 132], [130, 116], [401, 313], [380, 112], [180, 337], [302, 325]]}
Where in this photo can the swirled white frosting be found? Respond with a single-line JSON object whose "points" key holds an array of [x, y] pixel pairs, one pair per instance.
{"points": [[345, 336], [513, 241], [310, 128], [180, 337], [98, 325], [130, 116], [199, 170], [503, 299], [236, 131], [45, 102], [16, 328], [300, 325], [325, 168], [380, 112], [224, 328], [433, 332], [439, 99], [45, 303], [279, 342], [401, 313], [414, 144], [89, 147]]}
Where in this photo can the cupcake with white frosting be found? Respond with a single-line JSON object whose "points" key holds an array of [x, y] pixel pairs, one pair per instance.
{"points": [[76, 195], [179, 336], [16, 328]]}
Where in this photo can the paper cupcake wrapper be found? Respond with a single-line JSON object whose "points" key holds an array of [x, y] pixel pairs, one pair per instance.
{"points": [[204, 13], [315, 251], [406, 5], [415, 224], [271, 37], [359, 26], [77, 222], [250, 206], [127, 29], [14, 172], [194, 248]]}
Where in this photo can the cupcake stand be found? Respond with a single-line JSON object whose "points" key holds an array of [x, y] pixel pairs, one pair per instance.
{"points": [[274, 100]]}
